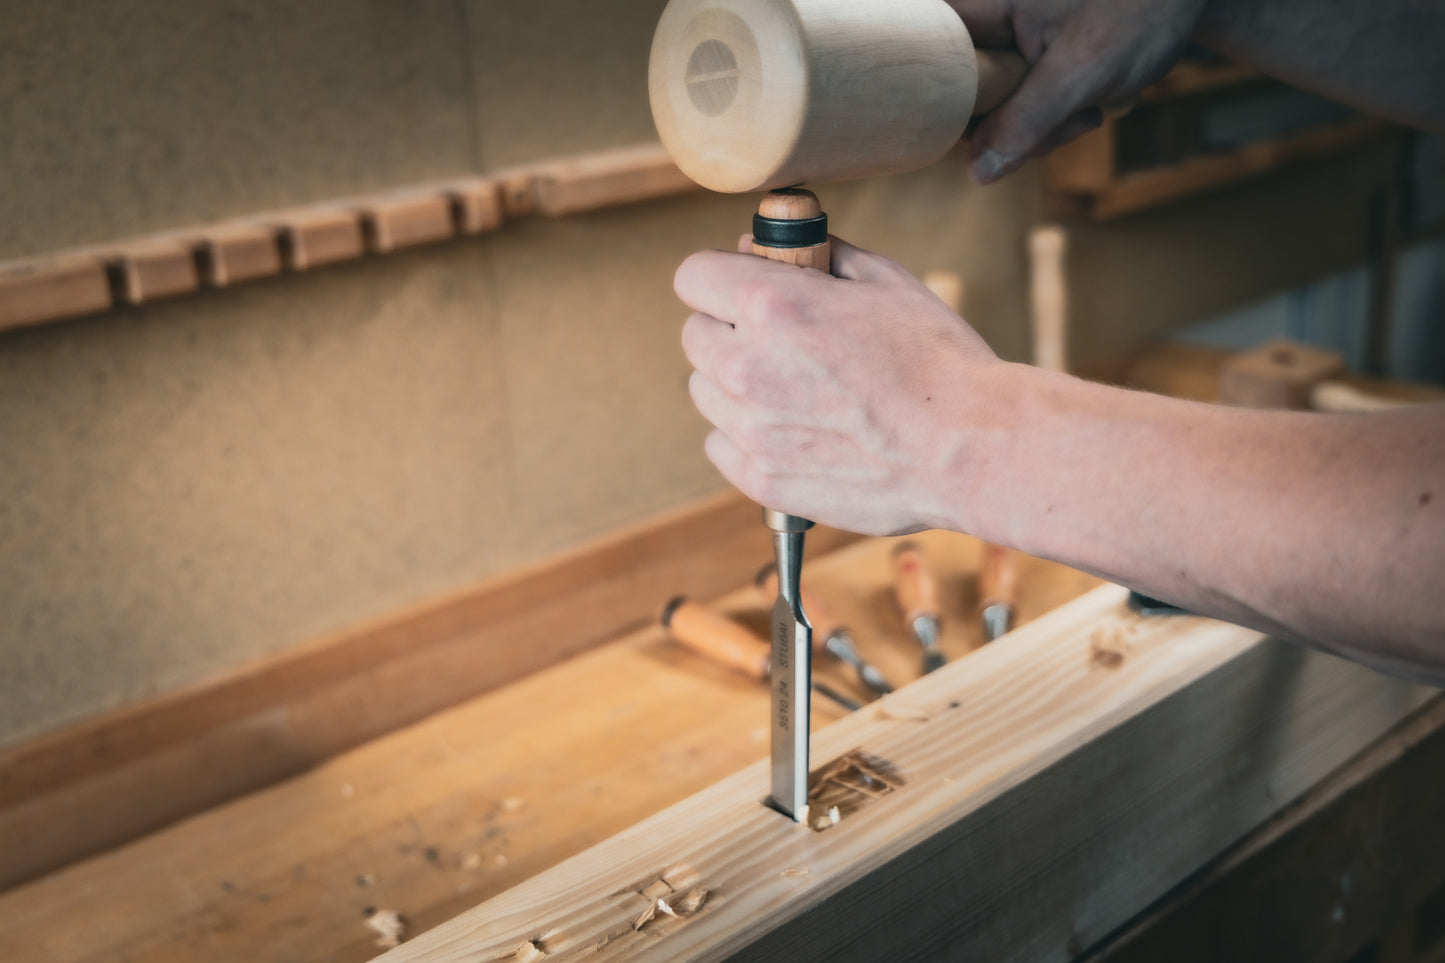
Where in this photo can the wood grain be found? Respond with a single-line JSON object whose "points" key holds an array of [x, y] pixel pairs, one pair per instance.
{"points": [[754, 96], [434, 817], [1044, 800], [86, 789]]}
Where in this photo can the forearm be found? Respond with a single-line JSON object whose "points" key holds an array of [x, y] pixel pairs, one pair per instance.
{"points": [[1382, 56], [1328, 529]]}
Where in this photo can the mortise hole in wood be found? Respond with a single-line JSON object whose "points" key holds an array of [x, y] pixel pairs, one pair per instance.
{"points": [[847, 784], [1283, 357]]}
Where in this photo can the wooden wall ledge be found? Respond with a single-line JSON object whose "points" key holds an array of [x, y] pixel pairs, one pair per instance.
{"points": [[140, 270]]}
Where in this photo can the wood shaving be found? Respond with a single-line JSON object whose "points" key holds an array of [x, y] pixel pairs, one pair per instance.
{"points": [[795, 872], [389, 927], [685, 905], [645, 916]]}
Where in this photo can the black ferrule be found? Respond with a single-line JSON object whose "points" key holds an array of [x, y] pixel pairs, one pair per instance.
{"points": [[806, 232]]}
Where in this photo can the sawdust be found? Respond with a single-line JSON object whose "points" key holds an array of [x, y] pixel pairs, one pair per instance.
{"points": [[389, 927]]}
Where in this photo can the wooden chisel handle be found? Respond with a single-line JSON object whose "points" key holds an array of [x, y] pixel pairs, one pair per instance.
{"points": [[717, 637], [825, 622], [913, 583], [998, 579]]}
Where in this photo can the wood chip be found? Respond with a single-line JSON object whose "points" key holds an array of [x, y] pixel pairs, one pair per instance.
{"points": [[685, 905], [794, 873], [528, 952], [645, 916], [389, 927]]}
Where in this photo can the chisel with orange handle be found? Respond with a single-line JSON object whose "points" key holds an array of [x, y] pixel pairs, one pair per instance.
{"points": [[997, 590], [715, 636], [829, 633], [916, 590]]}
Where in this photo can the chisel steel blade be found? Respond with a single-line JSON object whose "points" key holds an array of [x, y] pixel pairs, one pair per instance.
{"points": [[792, 671]]}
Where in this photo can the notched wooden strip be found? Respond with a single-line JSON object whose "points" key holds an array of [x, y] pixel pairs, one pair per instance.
{"points": [[156, 269], [407, 220], [518, 191], [312, 237], [63, 287], [231, 253], [595, 181], [478, 205]]}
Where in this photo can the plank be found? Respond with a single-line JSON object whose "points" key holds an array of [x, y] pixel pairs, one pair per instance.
{"points": [[101, 783], [1045, 798], [435, 817], [66, 286]]}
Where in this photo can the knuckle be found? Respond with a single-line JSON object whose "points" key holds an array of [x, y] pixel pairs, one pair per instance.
{"points": [[738, 375], [767, 302]]}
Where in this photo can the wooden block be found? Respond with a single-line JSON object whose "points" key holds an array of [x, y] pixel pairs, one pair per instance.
{"points": [[323, 235], [156, 269], [479, 205], [609, 178], [403, 221], [1039, 801], [518, 190], [1280, 374], [240, 252], [44, 290]]}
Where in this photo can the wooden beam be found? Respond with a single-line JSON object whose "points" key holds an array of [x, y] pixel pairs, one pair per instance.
{"points": [[1041, 797], [73, 283], [97, 785]]}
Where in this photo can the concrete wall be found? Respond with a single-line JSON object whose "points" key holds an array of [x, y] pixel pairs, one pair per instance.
{"points": [[193, 485]]}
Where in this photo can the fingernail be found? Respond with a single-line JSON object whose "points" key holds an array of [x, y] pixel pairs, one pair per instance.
{"points": [[988, 166]]}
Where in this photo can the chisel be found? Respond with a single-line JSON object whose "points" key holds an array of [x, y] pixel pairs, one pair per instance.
{"points": [[997, 587], [917, 594], [790, 226], [836, 639], [729, 643]]}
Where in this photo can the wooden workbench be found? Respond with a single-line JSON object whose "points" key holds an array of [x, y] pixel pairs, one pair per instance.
{"points": [[443, 814]]}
